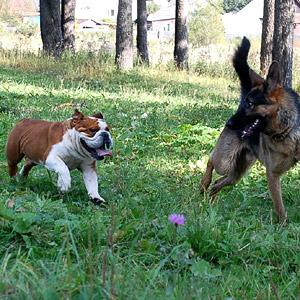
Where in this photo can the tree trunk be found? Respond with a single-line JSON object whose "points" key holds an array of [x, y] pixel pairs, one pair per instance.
{"points": [[68, 24], [141, 38], [51, 27], [181, 35], [283, 38], [267, 36], [124, 36]]}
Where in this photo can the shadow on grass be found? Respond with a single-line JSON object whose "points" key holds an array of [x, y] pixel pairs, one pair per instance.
{"points": [[115, 81], [140, 144], [137, 140]]}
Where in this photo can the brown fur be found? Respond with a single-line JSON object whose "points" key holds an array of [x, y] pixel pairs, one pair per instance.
{"points": [[278, 148], [42, 134], [24, 135]]}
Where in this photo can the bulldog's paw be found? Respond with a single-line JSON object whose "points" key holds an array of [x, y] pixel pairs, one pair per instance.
{"points": [[64, 183], [99, 201]]}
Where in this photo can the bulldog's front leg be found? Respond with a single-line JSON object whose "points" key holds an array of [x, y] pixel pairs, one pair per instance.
{"points": [[54, 163], [91, 182]]}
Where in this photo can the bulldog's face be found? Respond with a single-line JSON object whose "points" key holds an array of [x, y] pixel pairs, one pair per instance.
{"points": [[94, 134]]}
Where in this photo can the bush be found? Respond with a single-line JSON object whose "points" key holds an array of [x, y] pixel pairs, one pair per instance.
{"points": [[214, 69], [205, 25], [234, 5]]}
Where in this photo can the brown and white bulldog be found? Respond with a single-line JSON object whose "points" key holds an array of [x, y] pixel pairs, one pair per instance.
{"points": [[61, 146]]}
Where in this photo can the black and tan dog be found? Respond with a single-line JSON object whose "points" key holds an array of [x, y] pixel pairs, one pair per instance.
{"points": [[266, 127]]}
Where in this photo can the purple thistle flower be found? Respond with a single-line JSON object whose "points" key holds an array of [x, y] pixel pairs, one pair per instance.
{"points": [[177, 219]]}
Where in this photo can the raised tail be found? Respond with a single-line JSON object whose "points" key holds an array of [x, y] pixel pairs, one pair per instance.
{"points": [[241, 66]]}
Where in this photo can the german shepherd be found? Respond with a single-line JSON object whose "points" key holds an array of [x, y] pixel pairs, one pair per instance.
{"points": [[266, 127]]}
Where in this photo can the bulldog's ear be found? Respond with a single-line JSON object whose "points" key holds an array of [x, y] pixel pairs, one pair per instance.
{"points": [[273, 80], [77, 116], [98, 115]]}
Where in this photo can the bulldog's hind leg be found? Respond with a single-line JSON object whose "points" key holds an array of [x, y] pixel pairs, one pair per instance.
{"points": [[13, 158], [29, 164], [12, 169]]}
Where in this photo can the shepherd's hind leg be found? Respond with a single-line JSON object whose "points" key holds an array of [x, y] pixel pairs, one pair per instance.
{"points": [[219, 184], [206, 179], [243, 162]]}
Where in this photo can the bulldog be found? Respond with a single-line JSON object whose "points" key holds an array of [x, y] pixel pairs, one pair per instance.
{"points": [[61, 146]]}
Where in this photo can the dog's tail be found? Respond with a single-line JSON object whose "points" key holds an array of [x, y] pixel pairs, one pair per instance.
{"points": [[241, 66]]}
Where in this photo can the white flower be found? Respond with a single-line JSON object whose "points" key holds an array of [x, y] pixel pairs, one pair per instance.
{"points": [[144, 116], [134, 124]]}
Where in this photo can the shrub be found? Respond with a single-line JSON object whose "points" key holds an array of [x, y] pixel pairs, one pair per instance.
{"points": [[205, 25]]}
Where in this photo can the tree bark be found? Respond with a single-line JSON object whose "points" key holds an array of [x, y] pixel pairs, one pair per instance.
{"points": [[51, 27], [141, 38], [181, 35], [124, 36], [68, 24], [267, 36], [283, 38]]}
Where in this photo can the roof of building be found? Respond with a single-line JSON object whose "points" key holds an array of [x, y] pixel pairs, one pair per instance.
{"points": [[164, 13], [167, 9], [24, 7]]}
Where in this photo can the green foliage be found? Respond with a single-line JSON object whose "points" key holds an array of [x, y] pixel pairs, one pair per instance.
{"points": [[7, 15], [205, 25], [213, 69], [152, 7], [27, 29], [107, 20], [164, 124], [234, 5]]}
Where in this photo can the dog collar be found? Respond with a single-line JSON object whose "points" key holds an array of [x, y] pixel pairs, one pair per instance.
{"points": [[279, 137]]}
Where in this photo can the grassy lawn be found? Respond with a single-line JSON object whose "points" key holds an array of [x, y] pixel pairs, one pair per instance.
{"points": [[164, 124]]}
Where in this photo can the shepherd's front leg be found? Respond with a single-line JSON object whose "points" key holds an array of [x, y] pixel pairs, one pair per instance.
{"points": [[275, 191], [91, 182], [54, 163]]}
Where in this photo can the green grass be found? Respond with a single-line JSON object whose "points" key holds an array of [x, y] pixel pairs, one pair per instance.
{"points": [[164, 124]]}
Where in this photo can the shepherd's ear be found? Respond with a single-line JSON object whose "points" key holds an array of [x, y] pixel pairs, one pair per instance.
{"points": [[255, 78], [274, 77], [98, 115], [77, 116]]}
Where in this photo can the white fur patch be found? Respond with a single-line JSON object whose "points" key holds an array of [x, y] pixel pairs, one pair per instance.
{"points": [[96, 141], [91, 181], [66, 155], [70, 154]]}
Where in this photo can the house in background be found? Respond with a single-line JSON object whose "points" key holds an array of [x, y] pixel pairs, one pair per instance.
{"points": [[95, 15], [91, 9], [161, 24], [248, 21], [297, 19], [98, 14], [27, 10], [94, 25]]}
